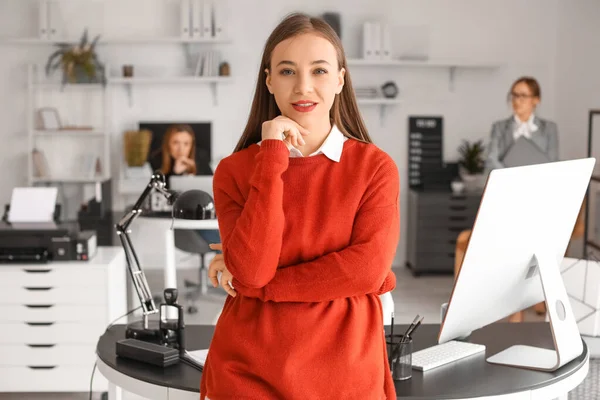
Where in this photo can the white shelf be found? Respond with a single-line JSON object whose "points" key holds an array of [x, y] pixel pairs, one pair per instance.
{"points": [[450, 64], [116, 41], [174, 80], [169, 79], [378, 101], [67, 86], [69, 179], [440, 63], [68, 132]]}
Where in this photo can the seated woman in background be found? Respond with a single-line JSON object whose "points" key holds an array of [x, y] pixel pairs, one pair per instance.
{"points": [[179, 158], [179, 153], [525, 95]]}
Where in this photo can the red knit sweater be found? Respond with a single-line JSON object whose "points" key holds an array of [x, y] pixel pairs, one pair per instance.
{"points": [[310, 243]]}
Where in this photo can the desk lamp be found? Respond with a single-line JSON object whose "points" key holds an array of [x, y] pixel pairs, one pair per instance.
{"points": [[192, 204]]}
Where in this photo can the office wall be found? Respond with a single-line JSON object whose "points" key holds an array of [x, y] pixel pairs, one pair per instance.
{"points": [[510, 32], [577, 74]]}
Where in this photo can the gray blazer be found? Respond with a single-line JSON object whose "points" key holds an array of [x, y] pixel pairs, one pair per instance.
{"points": [[546, 138]]}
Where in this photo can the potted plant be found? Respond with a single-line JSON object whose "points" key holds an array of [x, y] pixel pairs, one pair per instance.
{"points": [[472, 164], [79, 63]]}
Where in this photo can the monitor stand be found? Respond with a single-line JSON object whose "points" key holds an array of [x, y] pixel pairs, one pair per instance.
{"points": [[565, 333]]}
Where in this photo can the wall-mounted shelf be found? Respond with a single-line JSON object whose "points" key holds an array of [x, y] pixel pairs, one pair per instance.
{"points": [[70, 179], [450, 64], [381, 102], [213, 81], [84, 133], [118, 41]]}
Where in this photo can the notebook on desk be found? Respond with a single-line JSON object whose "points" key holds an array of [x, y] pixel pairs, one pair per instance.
{"points": [[524, 152]]}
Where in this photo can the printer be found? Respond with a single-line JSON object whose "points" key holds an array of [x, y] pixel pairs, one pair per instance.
{"points": [[40, 242], [43, 242]]}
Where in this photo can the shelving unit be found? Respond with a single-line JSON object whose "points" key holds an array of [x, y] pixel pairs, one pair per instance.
{"points": [[97, 139], [176, 23], [451, 65]]}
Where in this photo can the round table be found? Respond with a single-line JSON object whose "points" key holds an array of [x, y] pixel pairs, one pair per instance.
{"points": [[466, 379]]}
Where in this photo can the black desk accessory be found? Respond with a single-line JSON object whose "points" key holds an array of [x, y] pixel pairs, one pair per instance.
{"points": [[147, 352], [192, 204], [167, 346]]}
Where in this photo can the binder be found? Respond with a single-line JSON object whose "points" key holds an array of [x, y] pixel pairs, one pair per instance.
{"points": [[376, 39], [206, 18], [196, 18], [367, 41], [185, 11], [386, 39], [43, 19], [217, 18]]}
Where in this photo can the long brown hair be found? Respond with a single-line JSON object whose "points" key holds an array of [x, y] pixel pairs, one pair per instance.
{"points": [[166, 154], [344, 112]]}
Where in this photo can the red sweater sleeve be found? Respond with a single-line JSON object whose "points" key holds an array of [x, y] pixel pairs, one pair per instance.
{"points": [[252, 229], [364, 267]]}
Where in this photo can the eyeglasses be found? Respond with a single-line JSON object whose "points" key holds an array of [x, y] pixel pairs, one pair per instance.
{"points": [[518, 96]]}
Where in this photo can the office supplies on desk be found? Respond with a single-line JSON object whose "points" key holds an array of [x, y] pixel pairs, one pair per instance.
{"points": [[399, 356], [151, 353], [445, 353]]}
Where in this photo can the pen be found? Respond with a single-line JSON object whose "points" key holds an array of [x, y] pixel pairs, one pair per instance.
{"points": [[414, 328], [410, 327], [392, 330]]}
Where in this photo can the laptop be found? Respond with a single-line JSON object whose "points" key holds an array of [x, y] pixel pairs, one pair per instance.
{"points": [[190, 182], [524, 152]]}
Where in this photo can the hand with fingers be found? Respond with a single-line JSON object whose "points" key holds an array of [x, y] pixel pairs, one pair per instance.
{"points": [[216, 266], [183, 164], [284, 128]]}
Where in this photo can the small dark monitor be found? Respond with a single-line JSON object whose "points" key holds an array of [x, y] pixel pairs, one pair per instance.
{"points": [[202, 133]]}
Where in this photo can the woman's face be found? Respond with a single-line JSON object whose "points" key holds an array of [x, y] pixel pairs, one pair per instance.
{"points": [[180, 145], [304, 77], [523, 101]]}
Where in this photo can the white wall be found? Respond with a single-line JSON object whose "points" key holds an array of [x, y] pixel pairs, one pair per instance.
{"points": [[510, 32], [577, 75]]}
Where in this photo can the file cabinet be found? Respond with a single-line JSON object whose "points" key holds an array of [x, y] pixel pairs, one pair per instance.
{"points": [[435, 219], [51, 316]]}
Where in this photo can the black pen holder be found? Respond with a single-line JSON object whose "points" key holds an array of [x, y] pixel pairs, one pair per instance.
{"points": [[399, 350]]}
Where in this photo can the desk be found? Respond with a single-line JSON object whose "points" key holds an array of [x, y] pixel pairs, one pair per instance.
{"points": [[467, 379], [160, 224]]}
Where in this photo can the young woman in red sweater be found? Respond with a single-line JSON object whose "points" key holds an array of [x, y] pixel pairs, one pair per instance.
{"points": [[308, 212]]}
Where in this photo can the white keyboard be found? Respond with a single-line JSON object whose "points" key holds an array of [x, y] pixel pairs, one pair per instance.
{"points": [[441, 354]]}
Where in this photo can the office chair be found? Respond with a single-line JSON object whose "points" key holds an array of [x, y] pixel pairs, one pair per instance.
{"points": [[190, 242]]}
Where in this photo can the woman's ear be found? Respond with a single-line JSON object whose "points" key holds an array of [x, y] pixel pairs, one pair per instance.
{"points": [[536, 101], [341, 75], [268, 81]]}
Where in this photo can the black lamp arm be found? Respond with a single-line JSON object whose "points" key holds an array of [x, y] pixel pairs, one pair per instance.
{"points": [[158, 183]]}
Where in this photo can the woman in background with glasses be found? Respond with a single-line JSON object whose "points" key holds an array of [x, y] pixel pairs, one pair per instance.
{"points": [[524, 95]]}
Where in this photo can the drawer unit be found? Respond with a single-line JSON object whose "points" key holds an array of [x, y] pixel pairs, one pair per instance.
{"points": [[435, 219], [51, 317]]}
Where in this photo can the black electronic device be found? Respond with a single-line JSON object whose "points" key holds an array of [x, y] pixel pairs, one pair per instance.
{"points": [[147, 352], [43, 242]]}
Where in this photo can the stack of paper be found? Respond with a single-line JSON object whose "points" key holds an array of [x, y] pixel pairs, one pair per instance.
{"points": [[32, 205]]}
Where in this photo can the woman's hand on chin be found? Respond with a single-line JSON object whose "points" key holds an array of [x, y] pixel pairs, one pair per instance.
{"points": [[284, 128]]}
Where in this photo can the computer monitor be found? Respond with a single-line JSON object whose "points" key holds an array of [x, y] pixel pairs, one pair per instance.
{"points": [[202, 133], [521, 233]]}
